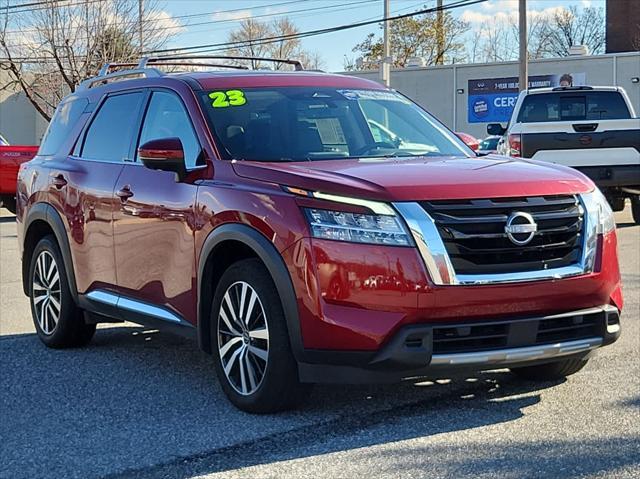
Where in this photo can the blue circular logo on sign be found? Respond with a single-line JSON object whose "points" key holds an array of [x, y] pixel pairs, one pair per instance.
{"points": [[480, 108]]}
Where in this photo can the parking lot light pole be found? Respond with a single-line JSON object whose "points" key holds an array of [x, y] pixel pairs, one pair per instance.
{"points": [[522, 27]]}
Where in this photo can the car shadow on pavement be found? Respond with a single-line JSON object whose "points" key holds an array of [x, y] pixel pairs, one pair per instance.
{"points": [[147, 404]]}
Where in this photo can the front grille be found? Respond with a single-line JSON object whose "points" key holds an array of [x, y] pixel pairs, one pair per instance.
{"points": [[473, 232], [468, 338]]}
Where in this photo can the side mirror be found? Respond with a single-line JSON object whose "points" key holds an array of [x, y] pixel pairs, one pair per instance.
{"points": [[164, 154], [496, 129]]}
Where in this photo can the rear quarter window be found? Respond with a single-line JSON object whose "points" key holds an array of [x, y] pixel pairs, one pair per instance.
{"points": [[64, 119], [573, 106]]}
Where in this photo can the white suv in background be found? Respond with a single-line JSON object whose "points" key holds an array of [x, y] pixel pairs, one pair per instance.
{"points": [[592, 129]]}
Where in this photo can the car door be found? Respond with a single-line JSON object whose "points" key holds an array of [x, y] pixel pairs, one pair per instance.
{"points": [[154, 221], [86, 184]]}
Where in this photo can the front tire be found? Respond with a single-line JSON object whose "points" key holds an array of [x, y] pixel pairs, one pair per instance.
{"points": [[58, 321], [551, 371], [635, 208], [253, 357]]}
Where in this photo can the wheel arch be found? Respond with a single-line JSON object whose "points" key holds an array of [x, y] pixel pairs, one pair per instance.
{"points": [[252, 243], [42, 220]]}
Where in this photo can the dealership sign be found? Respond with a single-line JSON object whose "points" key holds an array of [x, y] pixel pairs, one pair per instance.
{"points": [[493, 99]]}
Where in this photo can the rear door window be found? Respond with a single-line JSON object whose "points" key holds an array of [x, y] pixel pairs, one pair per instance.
{"points": [[110, 134], [63, 121], [573, 106]]}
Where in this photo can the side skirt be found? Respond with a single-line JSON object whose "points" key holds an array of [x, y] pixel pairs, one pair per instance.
{"points": [[123, 308]]}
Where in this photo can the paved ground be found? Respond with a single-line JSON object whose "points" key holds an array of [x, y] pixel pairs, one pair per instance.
{"points": [[144, 404]]}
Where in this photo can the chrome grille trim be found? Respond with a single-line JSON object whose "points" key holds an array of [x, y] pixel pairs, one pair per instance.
{"points": [[438, 263]]}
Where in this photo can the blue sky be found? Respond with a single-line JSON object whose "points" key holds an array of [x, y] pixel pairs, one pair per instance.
{"points": [[325, 13]]}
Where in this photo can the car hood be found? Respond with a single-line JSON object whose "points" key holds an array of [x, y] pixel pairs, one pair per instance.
{"points": [[423, 178]]}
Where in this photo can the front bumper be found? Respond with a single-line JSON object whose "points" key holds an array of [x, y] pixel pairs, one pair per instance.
{"points": [[434, 350]]}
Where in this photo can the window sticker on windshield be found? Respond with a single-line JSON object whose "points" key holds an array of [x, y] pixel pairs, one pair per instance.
{"points": [[223, 99], [373, 95]]}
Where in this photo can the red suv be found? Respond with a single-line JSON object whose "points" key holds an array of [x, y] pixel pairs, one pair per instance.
{"points": [[308, 227]]}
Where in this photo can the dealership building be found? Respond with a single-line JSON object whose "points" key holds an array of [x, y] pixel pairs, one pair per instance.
{"points": [[465, 97]]}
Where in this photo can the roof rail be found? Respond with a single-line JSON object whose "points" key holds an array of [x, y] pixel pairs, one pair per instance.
{"points": [[105, 78], [143, 68], [156, 60]]}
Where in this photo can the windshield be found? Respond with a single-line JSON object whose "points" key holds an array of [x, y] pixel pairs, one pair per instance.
{"points": [[308, 123]]}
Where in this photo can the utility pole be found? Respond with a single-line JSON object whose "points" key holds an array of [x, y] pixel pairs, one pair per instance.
{"points": [[440, 34], [523, 78], [140, 39], [386, 55]]}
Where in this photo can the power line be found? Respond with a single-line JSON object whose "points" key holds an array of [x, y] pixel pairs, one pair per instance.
{"points": [[335, 8], [212, 47]]}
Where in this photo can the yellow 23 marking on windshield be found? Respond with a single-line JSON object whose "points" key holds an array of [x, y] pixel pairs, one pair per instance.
{"points": [[223, 99]]}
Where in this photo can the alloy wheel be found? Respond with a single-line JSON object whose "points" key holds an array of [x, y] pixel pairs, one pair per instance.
{"points": [[46, 293], [243, 338]]}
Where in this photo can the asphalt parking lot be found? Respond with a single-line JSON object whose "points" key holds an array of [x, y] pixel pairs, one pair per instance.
{"points": [[146, 404]]}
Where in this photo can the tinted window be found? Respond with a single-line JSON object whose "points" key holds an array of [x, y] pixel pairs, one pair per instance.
{"points": [[61, 124], [489, 143], [573, 106], [110, 133], [317, 123], [166, 117]]}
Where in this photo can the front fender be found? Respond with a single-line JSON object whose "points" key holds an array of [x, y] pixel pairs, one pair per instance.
{"points": [[268, 254]]}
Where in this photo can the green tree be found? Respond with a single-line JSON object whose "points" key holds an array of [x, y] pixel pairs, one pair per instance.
{"points": [[414, 37]]}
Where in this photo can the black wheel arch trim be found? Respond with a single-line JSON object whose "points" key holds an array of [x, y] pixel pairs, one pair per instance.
{"points": [[47, 213], [274, 263]]}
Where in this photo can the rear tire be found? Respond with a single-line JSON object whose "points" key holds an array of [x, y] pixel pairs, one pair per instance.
{"points": [[635, 208], [58, 321], [551, 371], [250, 342]]}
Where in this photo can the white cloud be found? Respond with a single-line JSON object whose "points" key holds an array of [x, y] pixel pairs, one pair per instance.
{"points": [[163, 20], [476, 18], [500, 5]]}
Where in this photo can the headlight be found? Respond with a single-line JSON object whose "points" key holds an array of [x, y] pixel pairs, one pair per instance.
{"points": [[599, 220], [357, 228], [599, 212]]}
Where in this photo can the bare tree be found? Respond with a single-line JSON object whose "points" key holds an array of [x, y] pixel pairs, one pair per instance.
{"points": [[249, 32], [569, 27], [252, 31], [49, 49]]}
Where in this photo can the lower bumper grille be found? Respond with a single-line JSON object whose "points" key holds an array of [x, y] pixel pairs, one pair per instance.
{"points": [[495, 335], [475, 237]]}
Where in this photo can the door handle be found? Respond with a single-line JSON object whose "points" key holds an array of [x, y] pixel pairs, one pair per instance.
{"points": [[59, 181], [124, 193]]}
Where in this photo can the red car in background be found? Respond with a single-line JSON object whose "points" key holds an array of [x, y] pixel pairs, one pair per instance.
{"points": [[11, 157], [469, 140]]}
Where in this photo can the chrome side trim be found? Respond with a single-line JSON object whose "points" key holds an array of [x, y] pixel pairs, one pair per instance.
{"points": [[104, 297], [430, 244], [135, 306], [438, 264], [515, 355], [147, 309]]}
